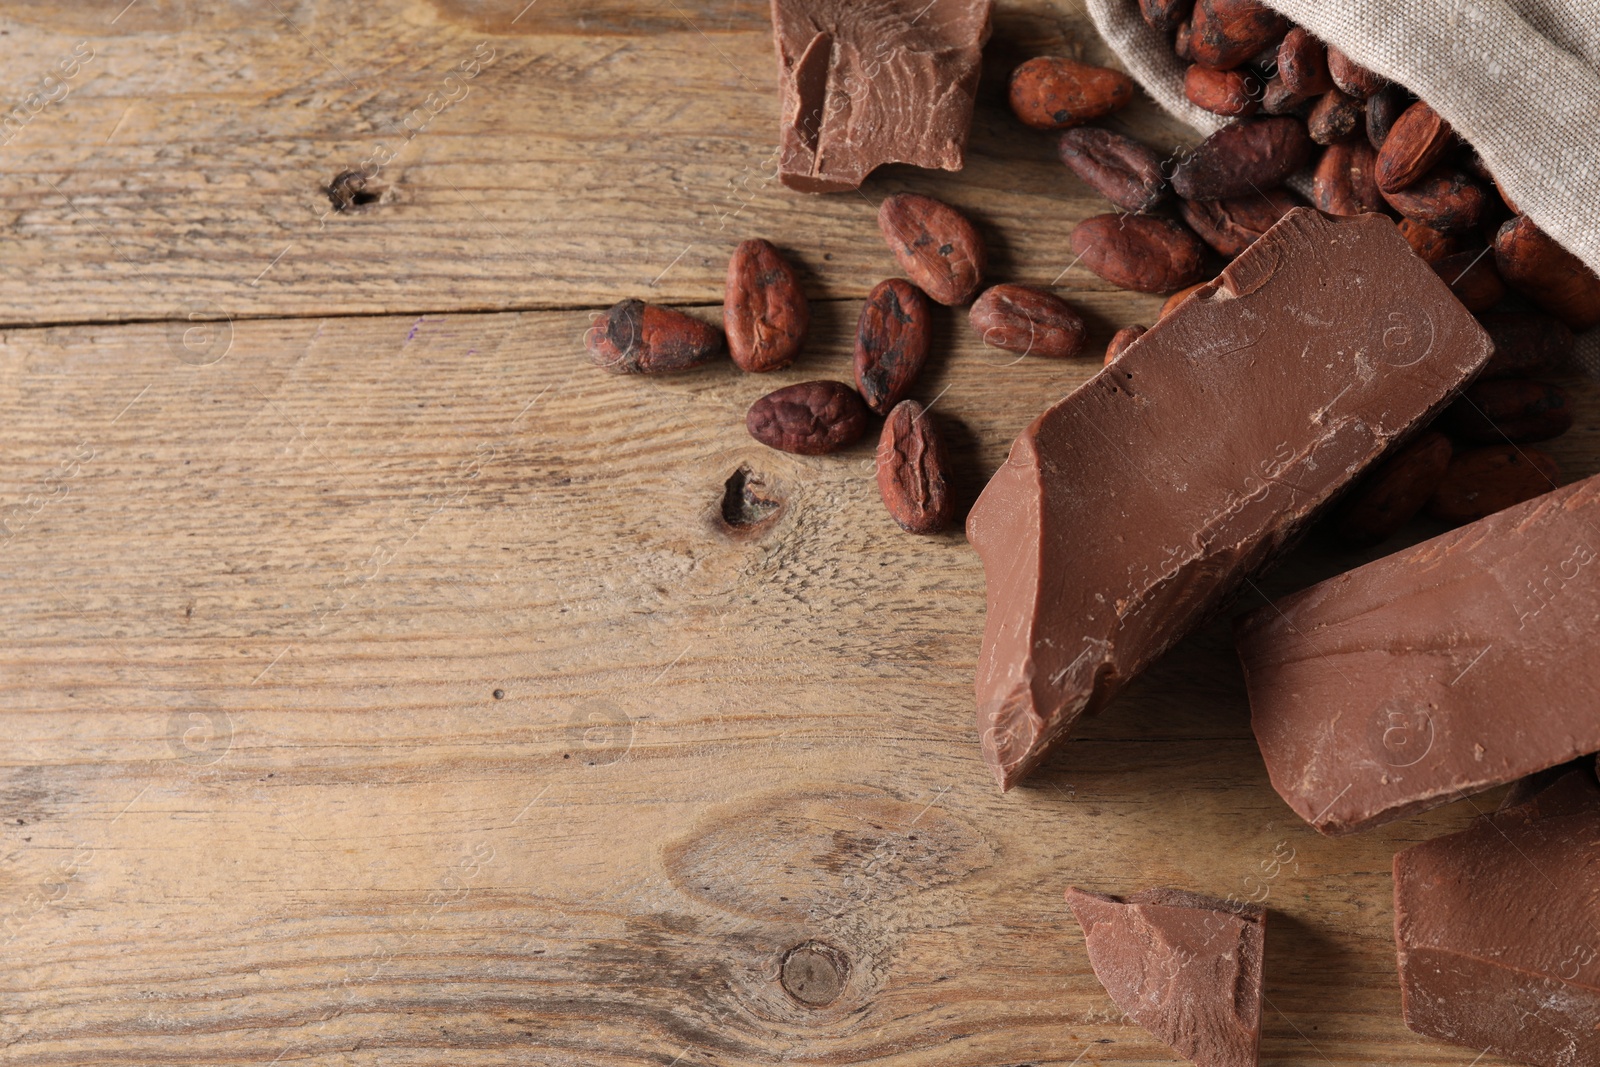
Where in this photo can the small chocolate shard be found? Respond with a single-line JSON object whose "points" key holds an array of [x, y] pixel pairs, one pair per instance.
{"points": [[1131, 510], [1455, 666], [867, 84], [1495, 930], [1185, 967]]}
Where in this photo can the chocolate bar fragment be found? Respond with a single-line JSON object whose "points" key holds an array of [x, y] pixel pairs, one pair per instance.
{"points": [[1185, 967], [1455, 666], [862, 84], [1129, 512], [1496, 930]]}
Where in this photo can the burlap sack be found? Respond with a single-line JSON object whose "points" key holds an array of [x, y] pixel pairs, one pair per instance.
{"points": [[1518, 79]]}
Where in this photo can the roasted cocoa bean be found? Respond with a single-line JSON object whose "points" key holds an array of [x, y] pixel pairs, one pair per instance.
{"points": [[1343, 182], [1122, 170], [1223, 92], [764, 310], [639, 338], [1351, 77], [1164, 15], [1170, 305], [1509, 409], [1472, 277], [1140, 252], [1428, 242], [1383, 107], [937, 246], [1231, 226], [1180, 41], [1525, 342], [1277, 100], [1052, 92], [1243, 158], [1444, 198], [1122, 339], [892, 339], [1335, 117], [1555, 279], [1482, 481], [1225, 33], [1030, 321], [911, 470], [1396, 491], [1303, 64], [808, 418], [1417, 142]]}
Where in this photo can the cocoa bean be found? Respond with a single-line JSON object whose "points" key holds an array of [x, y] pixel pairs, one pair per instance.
{"points": [[1122, 339], [937, 246], [1277, 100], [1335, 117], [808, 418], [1525, 342], [1180, 41], [1416, 143], [1444, 198], [1242, 158], [764, 310], [1383, 107], [1231, 226], [1396, 491], [1555, 279], [1119, 168], [1222, 92], [1052, 92], [1030, 321], [1225, 33], [1482, 481], [1170, 305], [1343, 183], [1303, 64], [1509, 409], [1164, 15], [1140, 252], [1428, 242], [911, 470], [892, 340], [639, 338], [1472, 277], [1351, 77]]}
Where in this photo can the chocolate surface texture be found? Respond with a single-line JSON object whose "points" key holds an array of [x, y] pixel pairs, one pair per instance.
{"points": [[1133, 508], [862, 84], [1185, 967], [1496, 930], [1459, 664]]}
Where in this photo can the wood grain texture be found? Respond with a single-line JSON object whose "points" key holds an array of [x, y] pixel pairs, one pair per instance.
{"points": [[394, 690]]}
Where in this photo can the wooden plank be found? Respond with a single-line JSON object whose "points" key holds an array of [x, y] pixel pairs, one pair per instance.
{"points": [[594, 153], [391, 690]]}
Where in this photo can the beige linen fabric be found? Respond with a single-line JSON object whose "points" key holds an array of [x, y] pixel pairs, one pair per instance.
{"points": [[1518, 79]]}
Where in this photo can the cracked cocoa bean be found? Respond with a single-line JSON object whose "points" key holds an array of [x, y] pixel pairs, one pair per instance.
{"points": [[808, 418], [639, 338], [1122, 170], [764, 310], [911, 470], [892, 340], [1140, 252], [1030, 321]]}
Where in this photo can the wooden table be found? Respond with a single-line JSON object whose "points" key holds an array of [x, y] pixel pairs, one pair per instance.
{"points": [[384, 685]]}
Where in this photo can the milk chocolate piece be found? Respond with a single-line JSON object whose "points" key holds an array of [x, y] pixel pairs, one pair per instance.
{"points": [[1185, 967], [1495, 930], [1132, 509], [1452, 667], [865, 84]]}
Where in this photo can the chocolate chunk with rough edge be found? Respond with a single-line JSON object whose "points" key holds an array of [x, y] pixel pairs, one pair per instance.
{"points": [[867, 84], [1452, 667], [1131, 510], [1495, 930], [1185, 967]]}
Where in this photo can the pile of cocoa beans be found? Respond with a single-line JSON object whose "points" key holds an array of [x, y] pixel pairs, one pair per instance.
{"points": [[765, 318], [1372, 147]]}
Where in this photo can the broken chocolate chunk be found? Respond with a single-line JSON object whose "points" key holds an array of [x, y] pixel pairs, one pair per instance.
{"points": [[1495, 930], [1185, 967], [1455, 666], [867, 84], [1128, 512]]}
